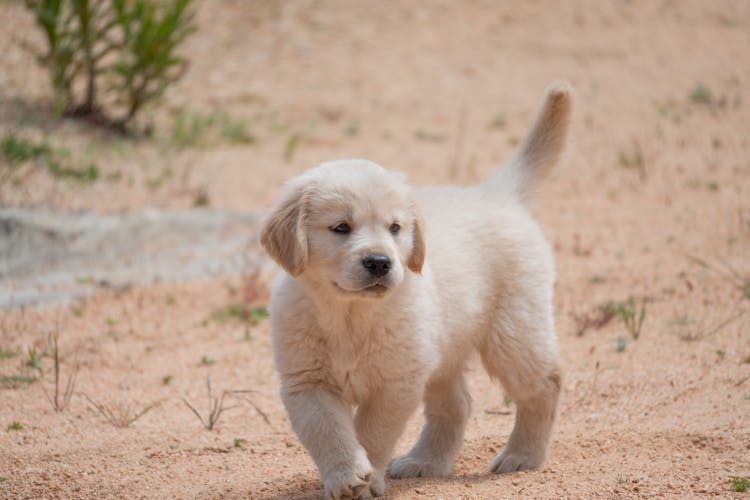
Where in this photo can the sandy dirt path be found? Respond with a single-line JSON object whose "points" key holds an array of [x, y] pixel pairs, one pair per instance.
{"points": [[651, 202]]}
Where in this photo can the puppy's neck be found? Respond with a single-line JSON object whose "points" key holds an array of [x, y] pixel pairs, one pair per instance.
{"points": [[353, 316]]}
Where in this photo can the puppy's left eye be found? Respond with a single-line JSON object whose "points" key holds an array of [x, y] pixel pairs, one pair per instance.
{"points": [[395, 228], [342, 228]]}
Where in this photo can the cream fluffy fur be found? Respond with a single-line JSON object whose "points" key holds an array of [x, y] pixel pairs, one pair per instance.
{"points": [[357, 350]]}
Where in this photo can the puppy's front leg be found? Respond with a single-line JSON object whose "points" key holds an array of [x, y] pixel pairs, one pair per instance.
{"points": [[379, 423], [324, 424]]}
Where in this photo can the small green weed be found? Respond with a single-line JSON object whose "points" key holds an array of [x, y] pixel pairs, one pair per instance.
{"points": [[721, 353], [158, 180], [630, 313], [16, 381], [423, 135], [19, 150], [235, 131], [241, 312], [15, 426], [248, 336], [57, 160], [86, 174], [702, 95], [166, 380], [239, 442], [34, 358], [191, 129], [207, 361], [291, 146], [507, 400], [498, 121], [670, 109], [740, 484], [7, 353], [621, 343], [195, 129], [352, 130], [201, 198], [633, 161]]}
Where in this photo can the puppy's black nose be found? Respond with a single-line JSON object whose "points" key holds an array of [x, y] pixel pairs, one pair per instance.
{"points": [[378, 265]]}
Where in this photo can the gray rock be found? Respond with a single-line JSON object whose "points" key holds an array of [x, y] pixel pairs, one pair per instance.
{"points": [[49, 257]]}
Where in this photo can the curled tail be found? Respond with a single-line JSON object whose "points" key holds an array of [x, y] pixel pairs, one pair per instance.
{"points": [[541, 148]]}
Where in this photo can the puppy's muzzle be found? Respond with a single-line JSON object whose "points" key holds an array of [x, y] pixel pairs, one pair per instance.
{"points": [[378, 265]]}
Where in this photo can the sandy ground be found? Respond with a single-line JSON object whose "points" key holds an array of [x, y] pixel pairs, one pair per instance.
{"points": [[653, 202]]}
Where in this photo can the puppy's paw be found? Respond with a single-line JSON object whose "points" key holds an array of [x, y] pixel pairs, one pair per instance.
{"points": [[377, 483], [512, 461], [414, 466], [354, 483]]}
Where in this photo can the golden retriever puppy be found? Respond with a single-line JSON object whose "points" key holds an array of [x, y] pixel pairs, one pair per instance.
{"points": [[386, 292]]}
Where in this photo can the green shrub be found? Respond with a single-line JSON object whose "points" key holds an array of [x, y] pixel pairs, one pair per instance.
{"points": [[18, 150], [127, 46]]}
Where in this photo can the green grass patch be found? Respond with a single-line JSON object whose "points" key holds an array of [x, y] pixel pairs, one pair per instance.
{"points": [[17, 151], [740, 484], [8, 353], [234, 130], [193, 129], [631, 314], [15, 426], [16, 381], [702, 95], [240, 312]]}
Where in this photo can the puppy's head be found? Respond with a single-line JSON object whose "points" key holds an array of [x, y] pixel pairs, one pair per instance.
{"points": [[349, 225]]}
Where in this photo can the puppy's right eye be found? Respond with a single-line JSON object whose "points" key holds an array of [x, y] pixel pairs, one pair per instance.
{"points": [[342, 228]]}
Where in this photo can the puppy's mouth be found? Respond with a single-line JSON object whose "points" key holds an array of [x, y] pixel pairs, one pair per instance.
{"points": [[371, 289]]}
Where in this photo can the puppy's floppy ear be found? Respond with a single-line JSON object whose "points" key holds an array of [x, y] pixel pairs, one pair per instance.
{"points": [[416, 258], [284, 232]]}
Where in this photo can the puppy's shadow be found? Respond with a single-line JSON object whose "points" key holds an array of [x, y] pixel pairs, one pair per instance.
{"points": [[396, 488], [405, 488]]}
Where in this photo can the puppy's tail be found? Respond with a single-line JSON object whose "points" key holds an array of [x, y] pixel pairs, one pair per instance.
{"points": [[542, 147]]}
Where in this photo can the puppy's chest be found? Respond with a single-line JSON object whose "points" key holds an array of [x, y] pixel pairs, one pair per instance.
{"points": [[358, 365]]}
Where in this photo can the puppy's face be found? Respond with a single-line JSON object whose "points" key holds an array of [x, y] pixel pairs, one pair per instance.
{"points": [[350, 226]]}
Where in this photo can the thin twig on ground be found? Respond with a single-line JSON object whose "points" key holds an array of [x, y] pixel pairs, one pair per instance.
{"points": [[60, 401], [216, 406], [120, 414]]}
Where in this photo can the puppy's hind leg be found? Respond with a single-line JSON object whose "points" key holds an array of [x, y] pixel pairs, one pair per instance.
{"points": [[447, 408], [522, 353]]}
